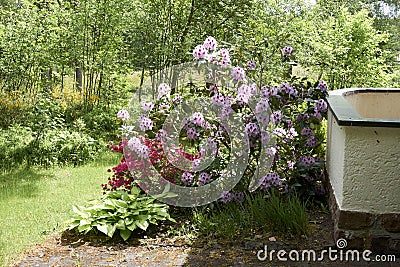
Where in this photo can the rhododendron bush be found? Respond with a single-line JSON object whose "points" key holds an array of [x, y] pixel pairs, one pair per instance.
{"points": [[282, 125]]}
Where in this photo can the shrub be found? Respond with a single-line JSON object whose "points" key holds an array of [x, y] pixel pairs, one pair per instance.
{"points": [[13, 145], [101, 122], [19, 145], [298, 107], [62, 147], [121, 211]]}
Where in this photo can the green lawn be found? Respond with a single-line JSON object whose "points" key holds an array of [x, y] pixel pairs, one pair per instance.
{"points": [[35, 203]]}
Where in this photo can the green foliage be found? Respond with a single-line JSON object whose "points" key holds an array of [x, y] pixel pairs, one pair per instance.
{"points": [[121, 211], [289, 216], [14, 144], [257, 212], [61, 146], [341, 47], [348, 50], [19, 145], [101, 122]]}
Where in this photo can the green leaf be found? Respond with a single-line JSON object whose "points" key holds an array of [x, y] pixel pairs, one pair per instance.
{"points": [[84, 228], [132, 227], [79, 210], [142, 224], [125, 234], [120, 225], [109, 230]]}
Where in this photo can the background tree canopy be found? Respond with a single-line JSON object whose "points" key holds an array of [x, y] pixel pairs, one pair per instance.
{"points": [[93, 46]]}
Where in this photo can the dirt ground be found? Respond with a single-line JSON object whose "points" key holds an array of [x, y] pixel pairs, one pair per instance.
{"points": [[69, 249]]}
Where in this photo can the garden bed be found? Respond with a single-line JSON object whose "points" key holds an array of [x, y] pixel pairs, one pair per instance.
{"points": [[69, 249]]}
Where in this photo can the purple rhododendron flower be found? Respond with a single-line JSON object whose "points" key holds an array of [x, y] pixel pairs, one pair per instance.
{"points": [[218, 99], [317, 115], [143, 152], [277, 117], [321, 105], [200, 52], [198, 119], [210, 43], [289, 123], [145, 123], [187, 178], [192, 134], [164, 89], [270, 180], [306, 160], [251, 65], [238, 73], [147, 106], [268, 92], [223, 58], [287, 51], [204, 178], [226, 197], [196, 164], [123, 114], [307, 131], [252, 129], [244, 93], [311, 141], [135, 145], [323, 86], [290, 90], [302, 117]]}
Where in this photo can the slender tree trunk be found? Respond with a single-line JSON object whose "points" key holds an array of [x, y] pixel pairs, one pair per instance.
{"points": [[78, 79], [141, 84]]}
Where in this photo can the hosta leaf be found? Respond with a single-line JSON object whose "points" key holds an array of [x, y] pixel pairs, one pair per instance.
{"points": [[84, 222], [80, 211], [73, 224], [97, 207], [128, 221], [120, 203], [125, 234], [135, 191], [109, 230], [120, 225], [162, 213], [84, 228], [122, 210], [142, 224], [132, 227]]}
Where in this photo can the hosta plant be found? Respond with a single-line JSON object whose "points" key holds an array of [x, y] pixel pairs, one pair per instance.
{"points": [[121, 211]]}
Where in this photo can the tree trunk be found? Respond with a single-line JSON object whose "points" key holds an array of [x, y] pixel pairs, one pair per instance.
{"points": [[78, 79], [141, 84]]}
